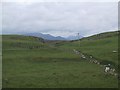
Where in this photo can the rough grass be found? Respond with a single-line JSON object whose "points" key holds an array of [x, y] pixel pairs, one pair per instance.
{"points": [[100, 48], [55, 65], [22, 42], [37, 68]]}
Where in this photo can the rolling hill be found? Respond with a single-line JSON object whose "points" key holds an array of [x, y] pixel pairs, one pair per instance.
{"points": [[31, 62], [22, 42], [100, 46]]}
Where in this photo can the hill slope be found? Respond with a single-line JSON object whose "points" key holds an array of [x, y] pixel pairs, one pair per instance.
{"points": [[56, 67], [101, 46], [21, 42]]}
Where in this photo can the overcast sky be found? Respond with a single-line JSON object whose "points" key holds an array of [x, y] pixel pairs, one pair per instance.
{"points": [[59, 18]]}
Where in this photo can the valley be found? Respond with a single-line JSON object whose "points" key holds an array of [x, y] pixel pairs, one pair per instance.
{"points": [[32, 62]]}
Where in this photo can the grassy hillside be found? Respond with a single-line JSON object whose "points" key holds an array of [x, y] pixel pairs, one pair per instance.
{"points": [[102, 35], [21, 42], [100, 46], [54, 64]]}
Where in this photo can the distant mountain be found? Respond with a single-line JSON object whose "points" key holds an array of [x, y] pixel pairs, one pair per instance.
{"points": [[74, 37], [45, 36]]}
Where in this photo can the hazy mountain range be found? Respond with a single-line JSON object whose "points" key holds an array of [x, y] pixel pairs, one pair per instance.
{"points": [[50, 37], [74, 37]]}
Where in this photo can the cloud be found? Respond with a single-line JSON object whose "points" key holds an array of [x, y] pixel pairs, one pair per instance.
{"points": [[62, 18], [30, 1]]}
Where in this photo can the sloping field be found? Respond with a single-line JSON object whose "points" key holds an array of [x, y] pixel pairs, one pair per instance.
{"points": [[57, 66], [100, 48]]}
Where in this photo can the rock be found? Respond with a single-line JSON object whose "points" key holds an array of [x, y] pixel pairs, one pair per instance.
{"points": [[114, 51]]}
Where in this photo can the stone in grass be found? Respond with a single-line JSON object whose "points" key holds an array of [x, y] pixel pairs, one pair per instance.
{"points": [[114, 51]]}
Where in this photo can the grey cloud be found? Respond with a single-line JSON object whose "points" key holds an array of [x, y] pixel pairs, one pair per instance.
{"points": [[59, 18]]}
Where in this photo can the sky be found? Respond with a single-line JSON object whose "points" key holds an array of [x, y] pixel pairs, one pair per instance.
{"points": [[59, 18]]}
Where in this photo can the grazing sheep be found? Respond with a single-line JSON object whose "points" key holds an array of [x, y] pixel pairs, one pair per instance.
{"points": [[83, 56], [91, 57], [76, 52], [98, 63], [113, 70], [107, 69], [95, 61]]}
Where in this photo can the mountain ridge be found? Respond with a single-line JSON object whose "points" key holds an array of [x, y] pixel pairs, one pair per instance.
{"points": [[51, 37], [45, 36]]}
